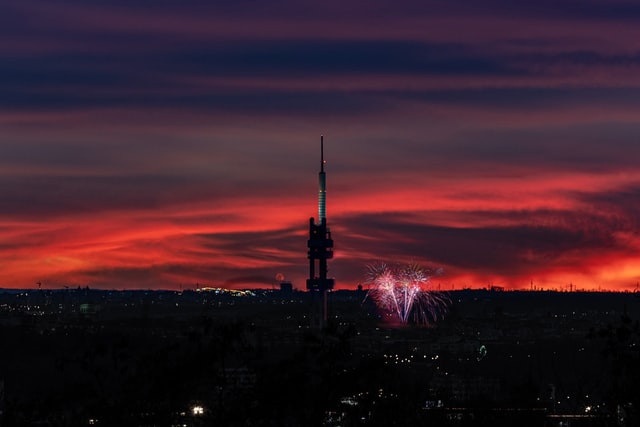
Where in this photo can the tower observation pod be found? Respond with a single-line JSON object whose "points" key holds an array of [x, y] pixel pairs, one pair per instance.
{"points": [[320, 245]]}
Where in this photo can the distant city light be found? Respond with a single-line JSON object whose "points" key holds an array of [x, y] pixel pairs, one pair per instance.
{"points": [[231, 292], [197, 410]]}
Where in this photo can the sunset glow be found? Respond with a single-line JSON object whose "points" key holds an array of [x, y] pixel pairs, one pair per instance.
{"points": [[165, 145]]}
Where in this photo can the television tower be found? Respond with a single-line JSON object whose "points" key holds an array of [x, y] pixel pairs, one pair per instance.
{"points": [[320, 247]]}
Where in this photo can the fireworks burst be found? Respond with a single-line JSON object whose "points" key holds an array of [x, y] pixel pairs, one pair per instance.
{"points": [[402, 293]]}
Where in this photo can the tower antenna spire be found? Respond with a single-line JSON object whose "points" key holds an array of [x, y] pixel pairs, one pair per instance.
{"points": [[322, 186], [321, 153], [320, 247]]}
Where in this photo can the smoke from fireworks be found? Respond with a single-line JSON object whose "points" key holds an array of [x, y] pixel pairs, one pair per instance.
{"points": [[402, 293]]}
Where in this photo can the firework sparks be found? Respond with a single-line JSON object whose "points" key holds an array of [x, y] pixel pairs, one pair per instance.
{"points": [[401, 292]]}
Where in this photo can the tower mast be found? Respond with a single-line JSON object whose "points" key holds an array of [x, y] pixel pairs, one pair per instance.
{"points": [[320, 247], [322, 186]]}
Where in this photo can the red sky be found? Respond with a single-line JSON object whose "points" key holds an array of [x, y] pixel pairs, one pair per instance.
{"points": [[172, 143]]}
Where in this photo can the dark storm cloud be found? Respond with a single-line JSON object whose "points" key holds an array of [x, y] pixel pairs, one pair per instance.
{"points": [[152, 78], [580, 57], [165, 77], [251, 243], [621, 202], [530, 98], [80, 66], [505, 250], [597, 10], [282, 250], [326, 102], [528, 150], [46, 196], [327, 57], [278, 102], [593, 147], [275, 58], [566, 9]]}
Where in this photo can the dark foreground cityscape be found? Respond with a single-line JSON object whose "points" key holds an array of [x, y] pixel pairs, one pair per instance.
{"points": [[79, 357]]}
